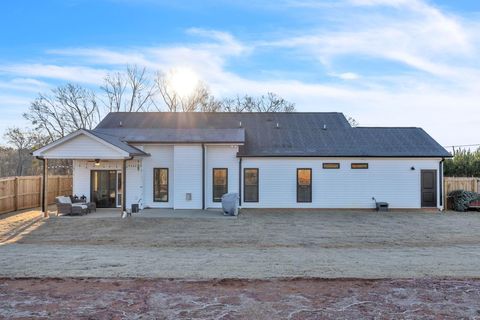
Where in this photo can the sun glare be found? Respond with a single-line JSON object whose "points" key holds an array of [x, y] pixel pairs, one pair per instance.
{"points": [[183, 81]]}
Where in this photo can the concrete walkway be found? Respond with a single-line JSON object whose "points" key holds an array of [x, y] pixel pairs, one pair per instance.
{"points": [[157, 213]]}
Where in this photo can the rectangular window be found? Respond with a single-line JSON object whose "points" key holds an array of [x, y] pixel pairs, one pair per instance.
{"points": [[359, 165], [331, 165], [304, 185], [220, 183], [160, 185], [250, 185]]}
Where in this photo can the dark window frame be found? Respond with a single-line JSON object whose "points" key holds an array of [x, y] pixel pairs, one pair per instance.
{"points": [[325, 164], [213, 183], [168, 184], [311, 185], [258, 185], [362, 165]]}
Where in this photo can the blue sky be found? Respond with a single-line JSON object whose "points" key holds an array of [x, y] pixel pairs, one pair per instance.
{"points": [[384, 62]]}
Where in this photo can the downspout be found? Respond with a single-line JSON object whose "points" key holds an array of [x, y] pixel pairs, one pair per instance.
{"points": [[240, 181], [440, 173], [203, 176]]}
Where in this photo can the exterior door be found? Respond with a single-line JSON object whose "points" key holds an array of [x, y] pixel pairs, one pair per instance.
{"points": [[429, 188], [103, 189]]}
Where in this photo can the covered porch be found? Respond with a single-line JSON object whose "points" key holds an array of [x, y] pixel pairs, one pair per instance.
{"points": [[101, 167]]}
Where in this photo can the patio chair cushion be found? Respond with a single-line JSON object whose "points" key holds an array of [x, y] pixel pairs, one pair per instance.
{"points": [[64, 200], [83, 206]]}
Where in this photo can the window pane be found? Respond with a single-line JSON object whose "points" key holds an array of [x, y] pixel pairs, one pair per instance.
{"points": [[359, 165], [160, 185], [304, 185], [220, 184], [331, 165], [250, 185]]}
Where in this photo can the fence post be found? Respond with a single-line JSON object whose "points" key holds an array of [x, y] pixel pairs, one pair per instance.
{"points": [[15, 194]]}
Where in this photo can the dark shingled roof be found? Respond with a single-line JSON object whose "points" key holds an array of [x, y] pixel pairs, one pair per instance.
{"points": [[298, 134]]}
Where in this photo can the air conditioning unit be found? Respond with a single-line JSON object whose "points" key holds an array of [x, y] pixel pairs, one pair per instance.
{"points": [[188, 196]]}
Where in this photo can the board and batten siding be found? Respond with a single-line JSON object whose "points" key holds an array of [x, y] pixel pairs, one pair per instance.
{"points": [[161, 156], [187, 176], [220, 157], [389, 180]]}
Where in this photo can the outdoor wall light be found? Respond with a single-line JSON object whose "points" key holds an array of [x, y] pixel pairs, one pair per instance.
{"points": [[97, 162], [412, 168]]}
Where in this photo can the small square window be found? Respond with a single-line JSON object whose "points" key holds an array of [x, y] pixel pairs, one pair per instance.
{"points": [[331, 165], [359, 166]]}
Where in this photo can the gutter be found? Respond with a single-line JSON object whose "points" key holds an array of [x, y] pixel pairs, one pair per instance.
{"points": [[440, 174]]}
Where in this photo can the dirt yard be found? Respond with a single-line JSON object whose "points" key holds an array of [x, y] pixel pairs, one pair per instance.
{"points": [[239, 299], [259, 244]]}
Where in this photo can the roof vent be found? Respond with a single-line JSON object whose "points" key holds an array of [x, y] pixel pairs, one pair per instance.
{"points": [[324, 127], [278, 125], [120, 124], [240, 124]]}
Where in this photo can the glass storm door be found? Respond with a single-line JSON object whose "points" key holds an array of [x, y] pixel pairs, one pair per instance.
{"points": [[103, 188]]}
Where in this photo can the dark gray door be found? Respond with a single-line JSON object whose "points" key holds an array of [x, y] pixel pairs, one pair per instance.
{"points": [[429, 188], [103, 188]]}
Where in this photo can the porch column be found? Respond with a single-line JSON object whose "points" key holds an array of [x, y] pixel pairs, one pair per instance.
{"points": [[124, 187], [45, 189]]}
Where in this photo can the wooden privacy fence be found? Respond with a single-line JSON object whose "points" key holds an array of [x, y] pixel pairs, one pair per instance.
{"points": [[460, 183], [17, 193]]}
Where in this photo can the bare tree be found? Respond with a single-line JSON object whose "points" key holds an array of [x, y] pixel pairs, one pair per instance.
{"points": [[199, 99], [265, 103], [69, 108], [131, 91], [23, 141]]}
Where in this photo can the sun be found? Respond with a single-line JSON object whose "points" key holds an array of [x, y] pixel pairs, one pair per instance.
{"points": [[183, 81]]}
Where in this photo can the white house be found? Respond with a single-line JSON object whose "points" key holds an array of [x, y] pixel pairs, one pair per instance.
{"points": [[272, 160]]}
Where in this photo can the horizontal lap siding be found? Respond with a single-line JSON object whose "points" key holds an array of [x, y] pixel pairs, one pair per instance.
{"points": [[220, 157], [161, 156], [392, 181], [81, 174], [83, 147], [187, 176]]}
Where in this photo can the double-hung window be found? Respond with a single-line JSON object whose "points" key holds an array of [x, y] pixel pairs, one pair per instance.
{"points": [[220, 183], [250, 185], [160, 185], [304, 185]]}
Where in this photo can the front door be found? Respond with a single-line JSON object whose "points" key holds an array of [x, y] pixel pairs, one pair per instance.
{"points": [[103, 188], [429, 188]]}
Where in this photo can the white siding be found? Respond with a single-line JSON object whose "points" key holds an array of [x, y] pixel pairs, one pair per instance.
{"points": [[220, 157], [387, 180], [187, 175], [81, 177], [81, 174], [134, 182], [83, 147], [161, 157]]}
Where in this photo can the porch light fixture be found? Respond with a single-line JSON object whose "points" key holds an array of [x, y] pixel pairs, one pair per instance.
{"points": [[97, 162]]}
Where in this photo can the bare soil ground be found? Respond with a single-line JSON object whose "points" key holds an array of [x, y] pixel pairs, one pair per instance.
{"points": [[259, 244], [239, 299]]}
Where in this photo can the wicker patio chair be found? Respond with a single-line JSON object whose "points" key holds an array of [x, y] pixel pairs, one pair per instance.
{"points": [[66, 207]]}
